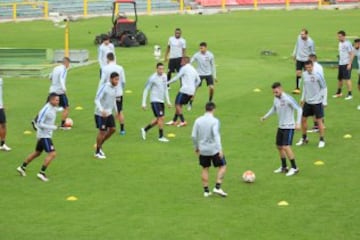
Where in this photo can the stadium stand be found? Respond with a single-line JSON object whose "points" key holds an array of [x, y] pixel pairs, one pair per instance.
{"points": [[217, 3]]}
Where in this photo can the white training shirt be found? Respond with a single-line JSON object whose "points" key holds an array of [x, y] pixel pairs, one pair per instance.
{"points": [[107, 70], [284, 106], [206, 135], [1, 94], [317, 68], [357, 54], [46, 121], [205, 63], [345, 49], [157, 85], [313, 88], [102, 53], [105, 100], [303, 48], [176, 47], [58, 80], [189, 79]]}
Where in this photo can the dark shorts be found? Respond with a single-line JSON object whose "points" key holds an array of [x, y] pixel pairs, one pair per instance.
{"points": [[316, 110], [209, 80], [45, 144], [205, 161], [300, 65], [103, 123], [343, 73], [2, 116], [182, 98], [174, 65], [119, 104], [158, 109], [284, 137], [63, 101]]}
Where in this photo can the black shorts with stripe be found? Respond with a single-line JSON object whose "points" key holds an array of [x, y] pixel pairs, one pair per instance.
{"points": [[158, 109], [316, 110], [45, 144], [119, 104], [209, 80], [182, 98], [104, 123], [284, 137], [344, 73], [216, 160], [300, 65], [174, 65], [2, 116]]}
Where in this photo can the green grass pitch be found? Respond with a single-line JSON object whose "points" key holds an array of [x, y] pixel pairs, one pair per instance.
{"points": [[150, 190]]}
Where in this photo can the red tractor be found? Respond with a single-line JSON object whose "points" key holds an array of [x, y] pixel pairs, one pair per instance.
{"points": [[124, 32]]}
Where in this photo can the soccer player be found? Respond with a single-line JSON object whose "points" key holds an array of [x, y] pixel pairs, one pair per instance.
{"points": [[303, 48], [175, 50], [319, 69], [105, 47], [157, 85], [284, 105], [46, 126], [105, 77], [207, 143], [357, 54], [3, 146], [105, 102], [190, 80], [312, 100], [205, 67], [346, 56]]}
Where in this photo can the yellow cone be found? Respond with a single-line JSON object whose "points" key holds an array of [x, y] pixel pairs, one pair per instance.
{"points": [[257, 90], [128, 91], [347, 136], [71, 198], [319, 163], [27, 132], [171, 135], [79, 108], [283, 203]]}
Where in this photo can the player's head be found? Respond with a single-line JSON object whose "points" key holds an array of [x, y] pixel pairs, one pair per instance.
{"points": [[66, 62], [160, 68], [110, 57], [277, 89], [177, 32], [308, 66], [185, 60], [203, 47], [357, 43], [210, 107], [304, 34], [341, 35], [313, 57], [53, 99], [106, 39], [114, 78]]}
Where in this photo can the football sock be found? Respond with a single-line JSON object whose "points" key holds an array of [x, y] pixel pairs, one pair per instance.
{"points": [[169, 76], [161, 133], [122, 127], [321, 138], [292, 162], [338, 91], [148, 127], [283, 162], [349, 93], [304, 136], [2, 142], [23, 166], [218, 185], [97, 149], [182, 118], [206, 189], [297, 82], [43, 169], [315, 124], [190, 102], [175, 117], [210, 98], [62, 122]]}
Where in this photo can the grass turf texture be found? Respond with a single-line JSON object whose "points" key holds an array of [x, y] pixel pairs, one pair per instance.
{"points": [[150, 190]]}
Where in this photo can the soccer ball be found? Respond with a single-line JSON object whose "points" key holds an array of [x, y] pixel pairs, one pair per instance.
{"points": [[249, 176], [68, 122]]}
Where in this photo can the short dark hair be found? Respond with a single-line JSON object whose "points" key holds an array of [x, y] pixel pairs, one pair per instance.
{"points": [[186, 58], [66, 59], [276, 85], [159, 64], [177, 29], [203, 44], [357, 40], [52, 95], [106, 37], [341, 32], [114, 75], [110, 56], [308, 62], [305, 30], [210, 106], [313, 55]]}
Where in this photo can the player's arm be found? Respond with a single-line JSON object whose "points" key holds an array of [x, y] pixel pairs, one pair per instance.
{"points": [[178, 76], [268, 114], [303, 92], [41, 122], [62, 80], [323, 88], [184, 49], [194, 137], [99, 95], [167, 96], [298, 110], [351, 56], [145, 93], [104, 76], [197, 80], [295, 50], [213, 68], [217, 137], [123, 79], [100, 56], [167, 52]]}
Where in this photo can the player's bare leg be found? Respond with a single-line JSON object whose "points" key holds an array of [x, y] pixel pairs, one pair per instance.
{"points": [[211, 93], [205, 181]]}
